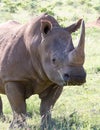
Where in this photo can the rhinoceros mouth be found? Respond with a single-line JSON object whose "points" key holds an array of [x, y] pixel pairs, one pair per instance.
{"points": [[72, 79], [73, 83], [76, 81]]}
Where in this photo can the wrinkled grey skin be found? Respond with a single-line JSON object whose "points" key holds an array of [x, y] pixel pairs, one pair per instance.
{"points": [[38, 58]]}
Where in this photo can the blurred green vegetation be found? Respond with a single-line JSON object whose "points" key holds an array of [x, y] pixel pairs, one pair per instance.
{"points": [[64, 11]]}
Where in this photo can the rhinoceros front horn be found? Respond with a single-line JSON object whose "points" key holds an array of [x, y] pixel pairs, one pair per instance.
{"points": [[81, 43], [77, 56]]}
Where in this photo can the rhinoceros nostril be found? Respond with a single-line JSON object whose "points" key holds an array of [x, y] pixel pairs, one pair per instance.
{"points": [[54, 60], [66, 77]]}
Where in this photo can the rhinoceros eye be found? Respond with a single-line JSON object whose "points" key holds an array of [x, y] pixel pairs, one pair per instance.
{"points": [[54, 60]]}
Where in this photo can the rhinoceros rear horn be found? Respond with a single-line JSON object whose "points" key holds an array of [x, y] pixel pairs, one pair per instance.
{"points": [[46, 26]]}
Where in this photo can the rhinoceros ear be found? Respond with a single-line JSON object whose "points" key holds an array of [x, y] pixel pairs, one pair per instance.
{"points": [[74, 27], [46, 26]]}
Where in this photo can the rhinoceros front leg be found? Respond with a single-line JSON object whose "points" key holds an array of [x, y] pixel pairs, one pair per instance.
{"points": [[2, 117], [48, 99], [1, 112], [15, 94]]}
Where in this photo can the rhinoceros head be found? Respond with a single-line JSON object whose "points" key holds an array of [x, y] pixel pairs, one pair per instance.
{"points": [[62, 63]]}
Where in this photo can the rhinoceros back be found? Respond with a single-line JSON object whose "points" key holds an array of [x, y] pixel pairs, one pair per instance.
{"points": [[12, 50]]}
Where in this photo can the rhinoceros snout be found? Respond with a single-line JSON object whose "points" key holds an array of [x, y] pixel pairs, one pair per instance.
{"points": [[74, 79], [77, 79]]}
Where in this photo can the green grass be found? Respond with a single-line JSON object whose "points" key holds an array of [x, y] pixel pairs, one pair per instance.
{"points": [[78, 108]]}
